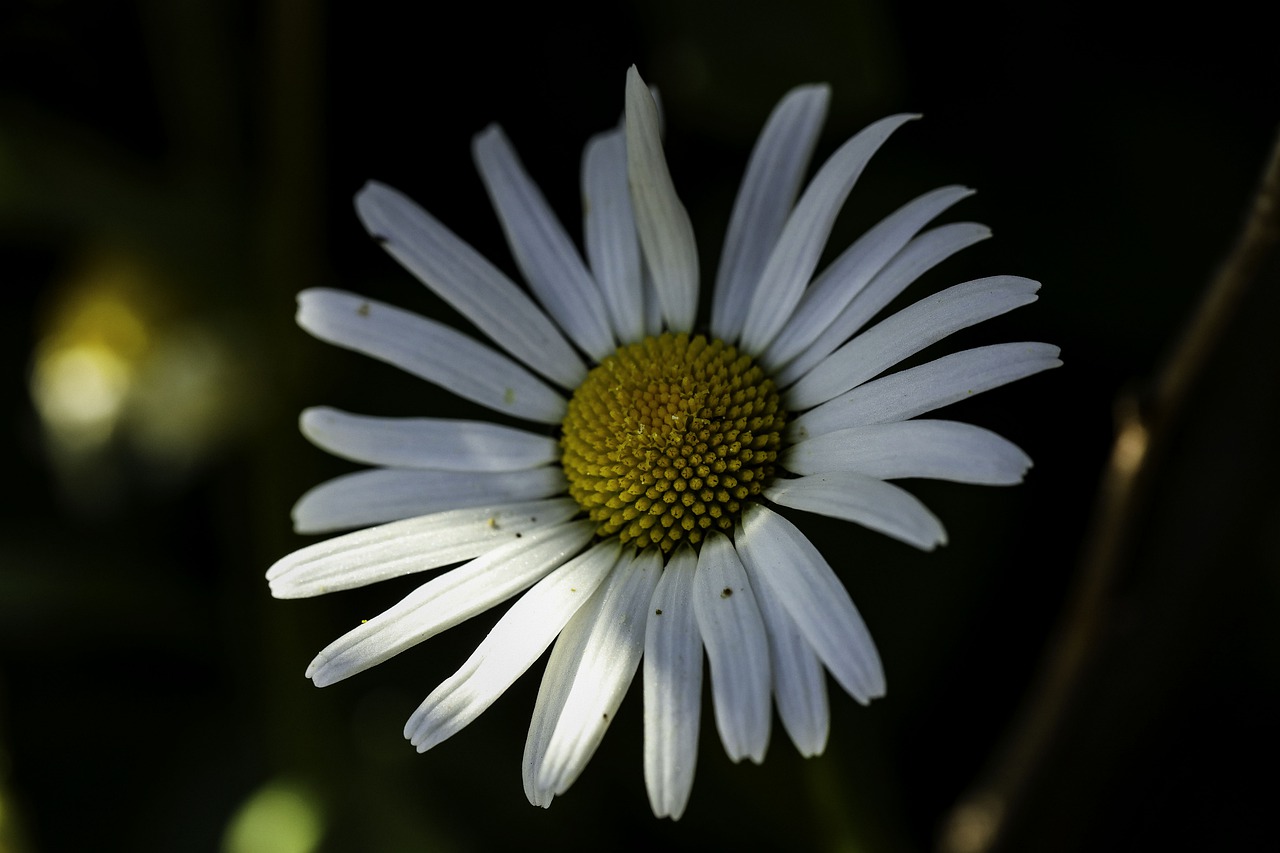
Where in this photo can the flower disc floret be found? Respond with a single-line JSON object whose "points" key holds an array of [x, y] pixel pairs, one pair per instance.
{"points": [[669, 438]]}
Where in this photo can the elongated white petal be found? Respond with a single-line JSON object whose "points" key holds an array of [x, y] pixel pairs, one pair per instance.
{"points": [[557, 679], [792, 570], [863, 500], [445, 445], [672, 688], [909, 331], [921, 389], [609, 233], [429, 350], [409, 546], [390, 494], [734, 634], [776, 168], [856, 266], [542, 249], [918, 257], [666, 234], [652, 304], [606, 644], [448, 599], [794, 258], [938, 450], [520, 637], [799, 682], [461, 276]]}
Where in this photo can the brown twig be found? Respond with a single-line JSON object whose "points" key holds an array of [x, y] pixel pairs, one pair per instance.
{"points": [[978, 822]]}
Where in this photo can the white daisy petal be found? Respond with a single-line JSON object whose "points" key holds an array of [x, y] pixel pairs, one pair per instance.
{"points": [[920, 255], [794, 258], [737, 647], [589, 691], [927, 387], [850, 273], [461, 276], [520, 637], [542, 249], [666, 234], [776, 168], [909, 331], [609, 233], [652, 304], [863, 500], [792, 570], [445, 445], [938, 450], [429, 350], [672, 688], [557, 679], [799, 681], [448, 599], [389, 494], [409, 546]]}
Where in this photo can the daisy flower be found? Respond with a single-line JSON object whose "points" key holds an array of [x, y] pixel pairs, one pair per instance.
{"points": [[634, 519]]}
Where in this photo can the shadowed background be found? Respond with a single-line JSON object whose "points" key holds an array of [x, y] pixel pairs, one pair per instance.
{"points": [[171, 174]]}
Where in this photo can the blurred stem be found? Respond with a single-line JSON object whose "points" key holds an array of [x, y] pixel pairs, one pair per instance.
{"points": [[192, 53], [980, 820], [288, 234]]}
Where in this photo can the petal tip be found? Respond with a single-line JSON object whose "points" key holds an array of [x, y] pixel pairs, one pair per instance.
{"points": [[367, 189], [820, 92], [492, 134]]}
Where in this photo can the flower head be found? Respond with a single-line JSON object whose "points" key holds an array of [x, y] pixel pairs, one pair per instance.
{"points": [[634, 517]]}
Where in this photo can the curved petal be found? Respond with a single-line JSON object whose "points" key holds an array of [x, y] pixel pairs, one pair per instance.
{"points": [[794, 258], [774, 172], [461, 276], [857, 265], [448, 599], [666, 234], [733, 632], [672, 688], [799, 682], [937, 450], [429, 350], [520, 637], [930, 386], [609, 233], [588, 674], [409, 546], [863, 500], [443, 445], [652, 304], [389, 494], [918, 257], [909, 331], [791, 569], [542, 249]]}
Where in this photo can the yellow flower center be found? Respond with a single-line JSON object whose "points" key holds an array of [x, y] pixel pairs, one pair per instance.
{"points": [[668, 437]]}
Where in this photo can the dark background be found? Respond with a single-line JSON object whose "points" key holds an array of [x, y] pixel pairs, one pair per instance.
{"points": [[172, 173]]}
